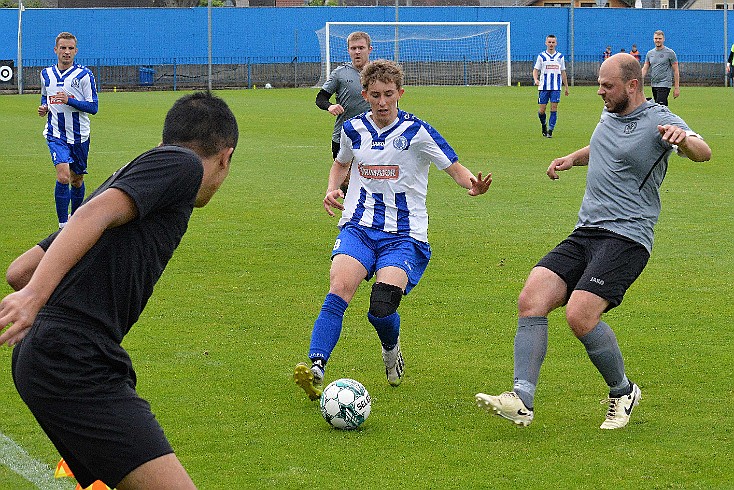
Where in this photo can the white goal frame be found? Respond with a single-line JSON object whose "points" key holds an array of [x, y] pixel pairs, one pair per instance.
{"points": [[328, 25]]}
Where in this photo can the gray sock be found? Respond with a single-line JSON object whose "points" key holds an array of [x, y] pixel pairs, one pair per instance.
{"points": [[531, 344], [603, 350]]}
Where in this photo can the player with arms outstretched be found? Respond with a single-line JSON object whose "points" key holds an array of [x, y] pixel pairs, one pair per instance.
{"points": [[591, 270], [384, 222]]}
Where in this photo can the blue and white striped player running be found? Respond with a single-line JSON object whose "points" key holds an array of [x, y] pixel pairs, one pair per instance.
{"points": [[68, 95], [591, 270], [549, 74], [384, 222]]}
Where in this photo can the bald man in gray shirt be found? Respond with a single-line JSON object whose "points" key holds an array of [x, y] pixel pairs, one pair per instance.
{"points": [[591, 270]]}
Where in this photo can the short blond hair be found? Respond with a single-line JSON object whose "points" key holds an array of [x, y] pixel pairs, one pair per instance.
{"points": [[356, 35], [385, 71], [65, 35]]}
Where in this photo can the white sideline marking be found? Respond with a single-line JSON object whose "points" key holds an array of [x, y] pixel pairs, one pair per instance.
{"points": [[17, 460]]}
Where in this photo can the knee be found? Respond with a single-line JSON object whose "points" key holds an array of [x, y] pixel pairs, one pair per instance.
{"points": [[580, 319], [384, 299], [531, 302], [63, 179], [76, 180]]}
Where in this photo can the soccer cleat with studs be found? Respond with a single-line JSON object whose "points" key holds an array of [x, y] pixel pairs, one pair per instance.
{"points": [[394, 364], [549, 134], [507, 405], [620, 409], [310, 379], [544, 130]]}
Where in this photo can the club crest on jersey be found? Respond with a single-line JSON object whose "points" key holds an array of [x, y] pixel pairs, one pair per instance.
{"points": [[379, 172], [630, 127], [75, 83], [400, 143]]}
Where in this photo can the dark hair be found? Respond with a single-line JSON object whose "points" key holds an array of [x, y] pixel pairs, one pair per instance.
{"points": [[202, 122]]}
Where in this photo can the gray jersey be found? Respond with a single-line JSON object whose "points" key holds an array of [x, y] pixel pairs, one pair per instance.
{"points": [[661, 66], [622, 187], [344, 81]]}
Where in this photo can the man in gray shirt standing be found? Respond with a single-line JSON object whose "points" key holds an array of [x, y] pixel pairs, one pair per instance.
{"points": [[663, 66], [591, 270], [345, 82]]}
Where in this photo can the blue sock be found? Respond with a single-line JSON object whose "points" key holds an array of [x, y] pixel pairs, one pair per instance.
{"points": [[62, 197], [552, 121], [77, 196], [541, 116], [327, 328], [388, 329]]}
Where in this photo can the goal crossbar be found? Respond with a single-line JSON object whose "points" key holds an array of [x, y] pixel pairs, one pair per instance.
{"points": [[466, 48]]}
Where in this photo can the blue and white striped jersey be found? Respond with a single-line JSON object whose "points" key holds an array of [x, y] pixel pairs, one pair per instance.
{"points": [[64, 121], [550, 67], [389, 176]]}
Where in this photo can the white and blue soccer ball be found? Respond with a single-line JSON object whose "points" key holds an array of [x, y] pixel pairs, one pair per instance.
{"points": [[345, 404], [267, 85]]}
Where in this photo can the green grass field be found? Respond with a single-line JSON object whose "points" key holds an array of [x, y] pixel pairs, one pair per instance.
{"points": [[215, 349]]}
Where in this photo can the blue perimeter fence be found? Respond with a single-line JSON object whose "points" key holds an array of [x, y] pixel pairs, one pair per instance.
{"points": [[254, 46], [248, 73]]}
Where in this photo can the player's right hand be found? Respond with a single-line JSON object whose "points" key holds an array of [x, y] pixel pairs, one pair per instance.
{"points": [[558, 164], [42, 110], [336, 109], [330, 201], [17, 312]]}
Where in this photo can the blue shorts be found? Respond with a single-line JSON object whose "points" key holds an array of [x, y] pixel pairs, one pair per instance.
{"points": [[375, 249], [544, 96], [73, 154]]}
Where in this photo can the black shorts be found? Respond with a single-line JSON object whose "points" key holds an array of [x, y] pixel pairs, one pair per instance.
{"points": [[80, 386], [660, 94], [598, 261]]}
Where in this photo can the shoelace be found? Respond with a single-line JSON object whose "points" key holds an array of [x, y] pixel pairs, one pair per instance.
{"points": [[612, 412]]}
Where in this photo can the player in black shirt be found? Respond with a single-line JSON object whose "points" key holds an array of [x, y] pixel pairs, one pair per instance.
{"points": [[79, 291]]}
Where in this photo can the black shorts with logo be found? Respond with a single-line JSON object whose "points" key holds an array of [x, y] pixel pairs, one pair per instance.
{"points": [[80, 386], [599, 261]]}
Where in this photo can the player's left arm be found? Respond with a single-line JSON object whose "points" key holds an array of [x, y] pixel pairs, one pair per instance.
{"points": [[90, 103], [565, 80], [109, 209], [477, 185], [689, 143], [676, 80]]}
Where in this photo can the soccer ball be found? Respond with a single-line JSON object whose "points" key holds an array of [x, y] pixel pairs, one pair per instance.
{"points": [[267, 85], [345, 404]]}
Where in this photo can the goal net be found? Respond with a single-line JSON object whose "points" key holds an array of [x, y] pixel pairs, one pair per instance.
{"points": [[431, 53]]}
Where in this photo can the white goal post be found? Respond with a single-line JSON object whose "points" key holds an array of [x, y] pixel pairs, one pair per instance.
{"points": [[431, 53]]}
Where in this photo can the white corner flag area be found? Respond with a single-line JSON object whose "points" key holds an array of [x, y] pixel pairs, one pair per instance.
{"points": [[18, 461]]}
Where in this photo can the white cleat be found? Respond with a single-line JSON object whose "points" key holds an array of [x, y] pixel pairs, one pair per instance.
{"points": [[394, 364], [507, 405], [620, 409]]}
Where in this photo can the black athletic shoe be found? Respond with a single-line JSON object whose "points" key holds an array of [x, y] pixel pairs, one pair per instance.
{"points": [[550, 134], [545, 130]]}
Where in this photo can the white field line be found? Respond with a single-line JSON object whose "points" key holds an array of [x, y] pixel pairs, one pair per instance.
{"points": [[17, 460]]}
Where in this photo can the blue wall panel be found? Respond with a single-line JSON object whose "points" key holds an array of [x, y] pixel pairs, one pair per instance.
{"points": [[138, 36]]}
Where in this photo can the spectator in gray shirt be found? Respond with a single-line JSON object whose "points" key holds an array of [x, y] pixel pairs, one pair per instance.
{"points": [[590, 271], [662, 64]]}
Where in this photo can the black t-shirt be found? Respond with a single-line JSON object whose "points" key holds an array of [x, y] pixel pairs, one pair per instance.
{"points": [[111, 284]]}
